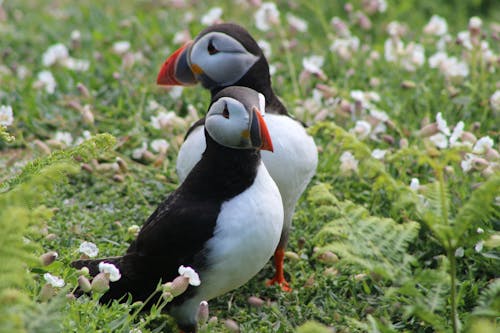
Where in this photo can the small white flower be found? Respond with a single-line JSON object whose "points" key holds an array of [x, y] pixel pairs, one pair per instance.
{"points": [[46, 79], [464, 39], [78, 65], [340, 27], [379, 115], [266, 16], [6, 115], [138, 152], [266, 47], [54, 281], [176, 92], [437, 59], [296, 22], [121, 47], [479, 246], [467, 164], [345, 47], [76, 35], [414, 184], [482, 145], [194, 278], [362, 129], [457, 133], [313, 64], [437, 26], [379, 153], [54, 54], [441, 124], [480, 230], [459, 252], [448, 66], [159, 145], [495, 101], [89, 249], [163, 120], [212, 16], [112, 270], [475, 23], [64, 137], [439, 140], [348, 162], [395, 29]]}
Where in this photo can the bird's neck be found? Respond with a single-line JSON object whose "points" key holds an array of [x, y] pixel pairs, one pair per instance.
{"points": [[223, 172]]}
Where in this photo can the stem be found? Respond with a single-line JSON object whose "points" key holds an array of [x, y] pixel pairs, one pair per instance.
{"points": [[453, 296], [289, 61]]}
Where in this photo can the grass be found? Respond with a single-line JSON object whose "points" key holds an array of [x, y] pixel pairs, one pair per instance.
{"points": [[421, 287]]}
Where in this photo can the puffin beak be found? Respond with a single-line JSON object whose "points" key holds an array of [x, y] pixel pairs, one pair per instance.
{"points": [[259, 133], [176, 70]]}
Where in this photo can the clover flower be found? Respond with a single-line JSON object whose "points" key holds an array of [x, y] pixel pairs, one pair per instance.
{"points": [[89, 249], [112, 270]]}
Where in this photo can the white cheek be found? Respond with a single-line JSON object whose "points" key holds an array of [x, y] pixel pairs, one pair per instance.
{"points": [[225, 131], [227, 68]]}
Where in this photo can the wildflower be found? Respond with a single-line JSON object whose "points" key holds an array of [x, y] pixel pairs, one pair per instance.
{"points": [[374, 6], [362, 129], [466, 163], [441, 124], [414, 184], [345, 47], [265, 47], [79, 65], [100, 283], [202, 314], [479, 246], [54, 281], [313, 64], [464, 39], [459, 252], [76, 35], [231, 325], [480, 230], [256, 301], [475, 24], [111, 270], [457, 133], [191, 274], [378, 153], [396, 29], [175, 92], [340, 27], [439, 140], [64, 137], [482, 145], [296, 23], [121, 47], [84, 284], [89, 249], [437, 26], [166, 120], [6, 115], [448, 66], [46, 80], [494, 101], [181, 37], [54, 54], [409, 57], [266, 16], [348, 162], [159, 145], [139, 152], [134, 230], [213, 16]]}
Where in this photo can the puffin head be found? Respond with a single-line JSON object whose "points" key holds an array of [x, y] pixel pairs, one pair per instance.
{"points": [[220, 56], [235, 119]]}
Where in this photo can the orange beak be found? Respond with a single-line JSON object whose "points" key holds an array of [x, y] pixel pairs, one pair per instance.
{"points": [[266, 144], [175, 70]]}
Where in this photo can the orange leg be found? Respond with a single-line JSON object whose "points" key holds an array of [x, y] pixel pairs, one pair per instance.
{"points": [[279, 277]]}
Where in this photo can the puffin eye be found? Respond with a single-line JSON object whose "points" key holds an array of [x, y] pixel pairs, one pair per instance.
{"points": [[225, 112], [211, 48]]}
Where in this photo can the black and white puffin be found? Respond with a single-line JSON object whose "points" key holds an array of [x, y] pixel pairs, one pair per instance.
{"points": [[226, 54], [224, 220]]}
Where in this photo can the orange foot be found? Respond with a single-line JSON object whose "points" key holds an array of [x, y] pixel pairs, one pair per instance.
{"points": [[279, 277]]}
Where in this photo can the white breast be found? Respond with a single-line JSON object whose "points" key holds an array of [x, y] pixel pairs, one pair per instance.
{"points": [[291, 165], [247, 232]]}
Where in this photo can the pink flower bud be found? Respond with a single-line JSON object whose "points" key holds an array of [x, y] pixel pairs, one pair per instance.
{"points": [[328, 257], [232, 326], [100, 283], [47, 292], [179, 285], [202, 315], [84, 284], [167, 296], [428, 130], [256, 301]]}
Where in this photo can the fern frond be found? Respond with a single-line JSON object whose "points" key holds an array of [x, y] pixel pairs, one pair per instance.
{"points": [[488, 304]]}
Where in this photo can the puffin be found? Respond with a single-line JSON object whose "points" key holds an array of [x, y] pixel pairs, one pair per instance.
{"points": [[223, 55], [224, 220]]}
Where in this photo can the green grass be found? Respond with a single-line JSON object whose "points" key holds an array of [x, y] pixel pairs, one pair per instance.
{"points": [[411, 291]]}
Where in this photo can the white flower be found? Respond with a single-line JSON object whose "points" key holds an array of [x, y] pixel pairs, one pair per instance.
{"points": [[448, 66], [164, 119], [348, 162], [382, 6], [480, 230], [6, 115], [479, 246], [467, 163], [313, 64], [138, 152], [54, 53], [365, 98], [54, 281], [79, 65], [495, 101], [340, 27], [64, 137], [379, 115], [345, 47], [121, 47], [76, 35], [395, 29], [437, 26], [459, 252], [379, 153], [296, 22], [482, 145], [46, 79], [194, 278], [362, 129], [392, 49], [457, 133], [475, 23], [89, 249], [409, 57], [414, 184], [265, 47], [112, 270], [212, 16], [437, 59], [176, 92], [439, 140], [266, 16], [441, 124], [159, 145], [463, 38]]}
